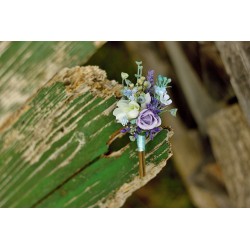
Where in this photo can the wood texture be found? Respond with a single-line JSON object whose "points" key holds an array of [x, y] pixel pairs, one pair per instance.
{"points": [[199, 100], [56, 150], [230, 137], [236, 58], [196, 168], [213, 74], [26, 66]]}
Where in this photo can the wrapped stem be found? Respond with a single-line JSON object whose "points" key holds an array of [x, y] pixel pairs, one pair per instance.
{"points": [[141, 143]]}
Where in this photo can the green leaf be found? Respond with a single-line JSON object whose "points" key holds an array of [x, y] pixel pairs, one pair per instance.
{"points": [[173, 112], [133, 121]]}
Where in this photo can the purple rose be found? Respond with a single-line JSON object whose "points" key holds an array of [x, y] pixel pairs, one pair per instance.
{"points": [[148, 120]]}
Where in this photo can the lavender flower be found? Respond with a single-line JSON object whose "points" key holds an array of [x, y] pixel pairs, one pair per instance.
{"points": [[151, 133], [125, 130], [150, 77], [155, 106]]}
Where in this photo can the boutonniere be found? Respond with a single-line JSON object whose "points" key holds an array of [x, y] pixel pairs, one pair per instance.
{"points": [[140, 108]]}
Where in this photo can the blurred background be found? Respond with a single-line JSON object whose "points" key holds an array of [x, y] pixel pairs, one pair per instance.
{"points": [[211, 163], [210, 166]]}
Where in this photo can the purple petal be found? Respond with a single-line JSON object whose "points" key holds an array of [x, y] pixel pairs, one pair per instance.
{"points": [[124, 130]]}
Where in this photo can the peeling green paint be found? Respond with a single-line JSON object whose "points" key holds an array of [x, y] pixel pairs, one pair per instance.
{"points": [[53, 155]]}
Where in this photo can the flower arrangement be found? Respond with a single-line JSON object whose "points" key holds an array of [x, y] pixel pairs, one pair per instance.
{"points": [[141, 106]]}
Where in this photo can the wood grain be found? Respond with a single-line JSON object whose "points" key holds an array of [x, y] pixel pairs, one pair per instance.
{"points": [[200, 102], [230, 138], [26, 66], [236, 58]]}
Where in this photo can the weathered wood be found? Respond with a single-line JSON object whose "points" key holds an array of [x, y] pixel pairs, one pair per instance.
{"points": [[56, 151], [213, 73], [200, 102], [230, 137], [200, 175], [146, 52], [26, 66], [236, 58]]}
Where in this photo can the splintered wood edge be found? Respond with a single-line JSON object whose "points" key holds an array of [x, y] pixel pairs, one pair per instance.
{"points": [[77, 80], [118, 198]]}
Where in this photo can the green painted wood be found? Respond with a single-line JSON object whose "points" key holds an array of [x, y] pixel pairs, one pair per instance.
{"points": [[96, 185], [26, 66], [53, 152]]}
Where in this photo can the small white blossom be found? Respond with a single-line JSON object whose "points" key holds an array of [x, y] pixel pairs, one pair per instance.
{"points": [[126, 110], [160, 90], [165, 99]]}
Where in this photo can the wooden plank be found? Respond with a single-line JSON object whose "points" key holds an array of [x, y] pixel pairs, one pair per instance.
{"points": [[110, 180], [236, 58], [199, 100], [213, 73], [230, 138], [54, 151], [195, 166], [26, 66], [148, 55]]}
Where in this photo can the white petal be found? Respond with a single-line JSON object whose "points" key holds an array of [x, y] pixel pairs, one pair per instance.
{"points": [[132, 98], [160, 90], [121, 117], [122, 103], [168, 102], [133, 114], [143, 105], [159, 121], [148, 98], [166, 96], [117, 111], [165, 99], [134, 104]]}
